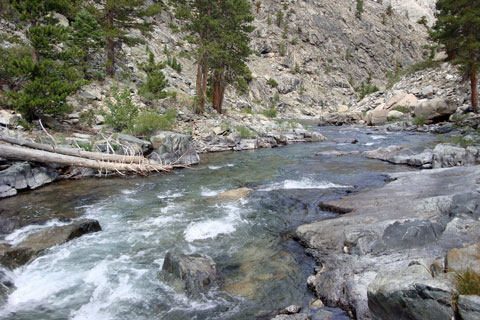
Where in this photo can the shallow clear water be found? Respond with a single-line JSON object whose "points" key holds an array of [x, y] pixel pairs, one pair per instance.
{"points": [[114, 274]]}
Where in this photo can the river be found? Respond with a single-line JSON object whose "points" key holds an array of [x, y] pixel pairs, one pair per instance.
{"points": [[114, 274]]}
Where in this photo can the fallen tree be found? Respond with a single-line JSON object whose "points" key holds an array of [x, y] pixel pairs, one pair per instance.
{"points": [[26, 154], [76, 152]]}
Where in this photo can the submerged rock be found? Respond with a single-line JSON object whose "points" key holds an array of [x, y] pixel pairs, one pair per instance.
{"points": [[235, 194], [192, 274], [35, 244]]}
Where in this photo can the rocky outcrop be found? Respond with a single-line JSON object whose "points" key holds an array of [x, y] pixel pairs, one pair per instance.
{"points": [[23, 176], [469, 307], [446, 156], [173, 148], [410, 220], [193, 274], [435, 110], [411, 293], [442, 156], [35, 244]]}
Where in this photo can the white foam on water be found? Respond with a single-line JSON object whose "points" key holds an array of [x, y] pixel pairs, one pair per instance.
{"points": [[170, 195], [211, 228], [305, 183], [369, 143], [127, 191], [21, 234], [205, 192], [222, 166], [377, 137]]}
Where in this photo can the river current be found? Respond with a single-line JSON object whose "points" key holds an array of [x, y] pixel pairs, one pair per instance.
{"points": [[114, 274]]}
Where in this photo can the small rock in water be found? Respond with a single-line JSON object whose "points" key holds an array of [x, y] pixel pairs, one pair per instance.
{"points": [[316, 304], [293, 309]]}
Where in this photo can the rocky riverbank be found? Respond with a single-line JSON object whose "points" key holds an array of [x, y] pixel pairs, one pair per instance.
{"points": [[384, 257]]}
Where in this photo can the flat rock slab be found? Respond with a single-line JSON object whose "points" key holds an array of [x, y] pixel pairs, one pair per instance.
{"points": [[406, 220], [35, 244], [469, 307], [234, 194]]}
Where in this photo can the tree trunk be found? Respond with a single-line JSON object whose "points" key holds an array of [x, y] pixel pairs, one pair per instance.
{"points": [[110, 68], [76, 152], [198, 87], [204, 80], [473, 86], [219, 90], [25, 154]]}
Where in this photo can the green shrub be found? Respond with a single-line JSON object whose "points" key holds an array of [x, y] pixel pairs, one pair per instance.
{"points": [[174, 64], [468, 282], [282, 49], [419, 120], [402, 109], [85, 146], [244, 132], [271, 112], [365, 90], [122, 110], [148, 122], [154, 87], [272, 83]]}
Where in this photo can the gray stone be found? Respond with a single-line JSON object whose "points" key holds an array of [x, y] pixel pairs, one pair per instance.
{"points": [[410, 293], [377, 117], [417, 156], [435, 110], [246, 144], [469, 307], [293, 309], [446, 156], [22, 176], [192, 274], [300, 316], [173, 148], [138, 145], [427, 92], [6, 285], [35, 244]]}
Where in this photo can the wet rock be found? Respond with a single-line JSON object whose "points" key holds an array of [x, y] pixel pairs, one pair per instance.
{"points": [[300, 316], [410, 293], [293, 309], [173, 148], [6, 285], [469, 307], [316, 304], [193, 274], [235, 194], [446, 156], [22, 176], [435, 110], [35, 244], [246, 144], [461, 259]]}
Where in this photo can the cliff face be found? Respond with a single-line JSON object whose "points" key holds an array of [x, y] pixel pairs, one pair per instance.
{"points": [[318, 53]]}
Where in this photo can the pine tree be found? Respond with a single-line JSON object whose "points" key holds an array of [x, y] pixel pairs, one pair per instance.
{"points": [[458, 30], [87, 40], [221, 31], [231, 47], [45, 80], [120, 15]]}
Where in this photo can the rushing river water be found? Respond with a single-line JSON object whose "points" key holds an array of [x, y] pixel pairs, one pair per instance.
{"points": [[114, 274]]}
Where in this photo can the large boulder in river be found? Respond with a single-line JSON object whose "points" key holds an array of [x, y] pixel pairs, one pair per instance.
{"points": [[23, 176], [192, 274], [411, 293], [35, 244], [173, 148], [435, 110]]}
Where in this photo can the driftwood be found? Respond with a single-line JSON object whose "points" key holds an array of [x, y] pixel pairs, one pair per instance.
{"points": [[26, 154], [76, 152]]}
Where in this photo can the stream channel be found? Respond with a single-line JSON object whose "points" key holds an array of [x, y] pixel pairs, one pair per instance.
{"points": [[114, 274]]}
